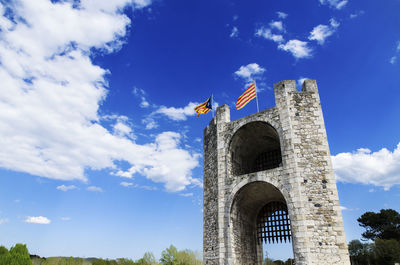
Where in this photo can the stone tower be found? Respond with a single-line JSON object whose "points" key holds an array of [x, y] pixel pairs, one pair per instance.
{"points": [[268, 176]]}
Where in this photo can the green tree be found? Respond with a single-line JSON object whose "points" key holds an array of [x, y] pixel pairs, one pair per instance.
{"points": [[5, 256], [19, 255], [148, 259], [361, 253], [168, 256], [382, 225], [268, 261], [187, 257], [387, 252], [126, 262], [289, 261], [99, 262], [3, 250]]}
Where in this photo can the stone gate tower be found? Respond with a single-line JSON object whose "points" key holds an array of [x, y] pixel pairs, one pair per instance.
{"points": [[269, 177]]}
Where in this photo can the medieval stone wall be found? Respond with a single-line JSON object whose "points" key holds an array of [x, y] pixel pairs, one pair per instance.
{"points": [[210, 196], [304, 180]]}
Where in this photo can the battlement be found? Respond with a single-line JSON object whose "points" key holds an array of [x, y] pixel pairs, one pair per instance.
{"points": [[282, 90], [290, 86]]}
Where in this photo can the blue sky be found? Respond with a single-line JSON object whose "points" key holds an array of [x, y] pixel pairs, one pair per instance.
{"points": [[100, 150]]}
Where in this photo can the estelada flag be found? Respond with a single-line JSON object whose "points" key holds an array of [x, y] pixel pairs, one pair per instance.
{"points": [[203, 107], [247, 95]]}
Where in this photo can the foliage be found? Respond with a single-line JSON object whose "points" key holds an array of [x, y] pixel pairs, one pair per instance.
{"points": [[59, 261], [382, 225], [361, 253], [187, 257], [384, 229], [289, 262], [18, 255], [168, 256], [171, 256], [4, 256], [268, 261], [387, 252], [3, 250], [148, 259]]}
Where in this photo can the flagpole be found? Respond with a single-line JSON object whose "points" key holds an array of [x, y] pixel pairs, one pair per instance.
{"points": [[255, 86], [212, 101]]}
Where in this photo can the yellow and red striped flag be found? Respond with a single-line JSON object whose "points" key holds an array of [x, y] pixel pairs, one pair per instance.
{"points": [[203, 107], [247, 95]]}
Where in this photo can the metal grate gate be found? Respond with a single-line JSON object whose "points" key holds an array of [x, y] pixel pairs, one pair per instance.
{"points": [[267, 160], [273, 223]]}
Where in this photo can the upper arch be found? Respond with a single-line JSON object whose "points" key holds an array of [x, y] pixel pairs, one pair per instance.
{"points": [[254, 146]]}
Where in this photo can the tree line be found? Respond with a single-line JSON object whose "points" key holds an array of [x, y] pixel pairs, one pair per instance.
{"points": [[19, 255], [380, 245]]}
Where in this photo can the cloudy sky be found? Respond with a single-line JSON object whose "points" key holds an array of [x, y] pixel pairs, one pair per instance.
{"points": [[100, 150]]}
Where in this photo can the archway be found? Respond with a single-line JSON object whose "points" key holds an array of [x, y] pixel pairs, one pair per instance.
{"points": [[255, 147], [258, 214]]}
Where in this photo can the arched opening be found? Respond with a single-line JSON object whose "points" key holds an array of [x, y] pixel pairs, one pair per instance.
{"points": [[259, 218], [255, 147]]}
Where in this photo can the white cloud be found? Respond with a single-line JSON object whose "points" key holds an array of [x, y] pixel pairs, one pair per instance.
{"points": [[357, 14], [150, 123], [3, 221], [144, 103], [161, 166], [37, 220], [65, 218], [381, 168], [234, 33], [276, 25], [282, 15], [51, 93], [321, 32], [344, 208], [126, 184], [177, 114], [250, 72], [186, 194], [301, 80], [66, 188], [338, 4], [214, 104], [140, 93], [121, 129], [164, 167], [267, 34], [126, 174], [299, 49], [394, 58], [94, 189], [147, 187]]}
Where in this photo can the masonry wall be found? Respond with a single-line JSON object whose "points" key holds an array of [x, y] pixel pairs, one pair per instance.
{"points": [[210, 196], [304, 180], [313, 165]]}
